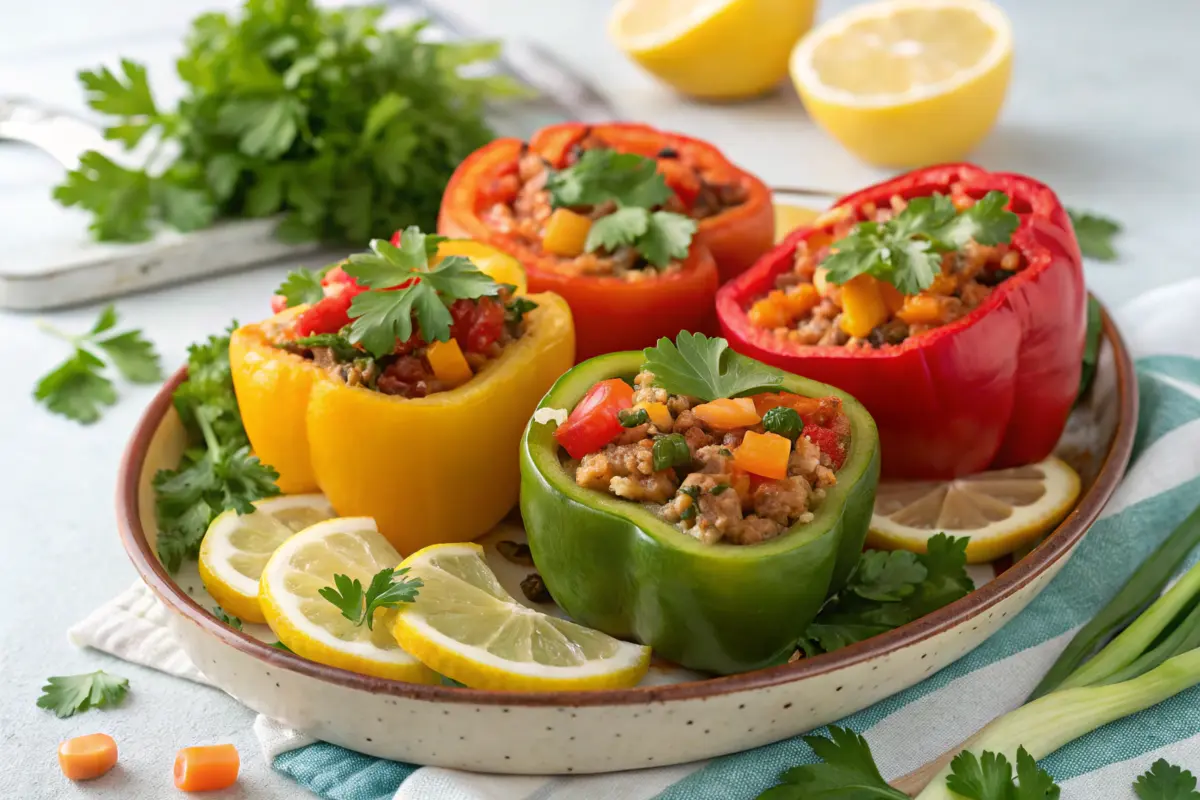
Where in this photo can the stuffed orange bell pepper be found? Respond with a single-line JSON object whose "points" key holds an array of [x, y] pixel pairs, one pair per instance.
{"points": [[635, 227], [399, 384]]}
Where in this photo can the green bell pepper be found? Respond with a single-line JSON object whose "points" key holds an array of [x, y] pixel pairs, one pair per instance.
{"points": [[615, 566]]}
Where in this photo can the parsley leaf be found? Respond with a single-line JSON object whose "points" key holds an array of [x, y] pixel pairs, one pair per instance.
{"points": [[1166, 782], [321, 114], [697, 366], [906, 251], [603, 175], [1095, 234], [887, 590], [623, 226], [667, 238], [76, 388], [990, 777], [218, 472], [338, 342], [283, 647], [232, 622], [302, 287], [388, 589], [404, 286], [67, 695], [1092, 339], [847, 772]]}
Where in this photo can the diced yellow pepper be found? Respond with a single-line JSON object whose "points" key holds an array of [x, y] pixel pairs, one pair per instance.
{"points": [[659, 414], [862, 306], [893, 298], [566, 233], [764, 454], [448, 363], [728, 413], [821, 281], [923, 309]]}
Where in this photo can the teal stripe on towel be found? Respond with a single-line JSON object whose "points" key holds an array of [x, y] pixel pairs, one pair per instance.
{"points": [[336, 773]]}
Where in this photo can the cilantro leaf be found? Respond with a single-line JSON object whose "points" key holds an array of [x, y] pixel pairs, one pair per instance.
{"points": [[887, 590], [67, 695], [388, 589], [76, 388], [404, 286], [697, 366], [622, 227], [990, 777], [906, 251], [668, 238], [847, 772], [301, 287], [339, 343], [1095, 234], [232, 622], [323, 114], [1166, 782], [218, 472], [602, 175]]}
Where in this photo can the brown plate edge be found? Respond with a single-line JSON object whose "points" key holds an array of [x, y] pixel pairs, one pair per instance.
{"points": [[1054, 547]]}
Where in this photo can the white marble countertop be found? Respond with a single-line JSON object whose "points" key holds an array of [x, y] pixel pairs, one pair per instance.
{"points": [[1103, 108]]}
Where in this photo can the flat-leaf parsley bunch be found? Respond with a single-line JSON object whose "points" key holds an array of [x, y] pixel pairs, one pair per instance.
{"points": [[288, 108]]}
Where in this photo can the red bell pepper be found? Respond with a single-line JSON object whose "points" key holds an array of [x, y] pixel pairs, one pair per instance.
{"points": [[614, 314], [990, 390]]}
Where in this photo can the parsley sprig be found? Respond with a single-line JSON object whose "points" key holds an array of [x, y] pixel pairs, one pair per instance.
{"points": [[218, 471], [302, 286], [698, 366], [1095, 234], [78, 388], [388, 589], [68, 695], [634, 184], [890, 589], [906, 251], [320, 114], [403, 285]]}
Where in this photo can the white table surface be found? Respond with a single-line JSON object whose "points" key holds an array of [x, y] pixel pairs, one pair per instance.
{"points": [[1103, 107]]}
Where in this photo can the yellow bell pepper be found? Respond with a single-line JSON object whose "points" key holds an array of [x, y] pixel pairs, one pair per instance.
{"points": [[863, 306], [441, 468], [448, 362], [566, 233]]}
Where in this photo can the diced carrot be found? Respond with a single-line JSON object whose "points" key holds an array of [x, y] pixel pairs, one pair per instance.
{"points": [[203, 769], [943, 284], [566, 233], [448, 362], [87, 757], [764, 454], [728, 413], [659, 414], [893, 298], [922, 309], [862, 306]]}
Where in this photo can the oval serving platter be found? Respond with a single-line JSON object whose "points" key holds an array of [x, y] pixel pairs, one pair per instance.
{"points": [[674, 716]]}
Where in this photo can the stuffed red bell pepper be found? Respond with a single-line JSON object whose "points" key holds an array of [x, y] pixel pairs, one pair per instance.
{"points": [[950, 301], [633, 226]]}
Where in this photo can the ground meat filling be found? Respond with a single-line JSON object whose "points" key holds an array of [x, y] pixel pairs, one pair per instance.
{"points": [[712, 499], [483, 329], [801, 316], [525, 213]]}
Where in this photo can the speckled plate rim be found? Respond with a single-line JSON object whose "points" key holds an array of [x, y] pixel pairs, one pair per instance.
{"points": [[1057, 545]]}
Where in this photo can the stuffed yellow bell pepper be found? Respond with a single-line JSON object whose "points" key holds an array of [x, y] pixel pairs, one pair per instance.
{"points": [[401, 383]]}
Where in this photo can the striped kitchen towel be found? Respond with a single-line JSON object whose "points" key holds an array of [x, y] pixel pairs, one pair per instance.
{"points": [[905, 731]]}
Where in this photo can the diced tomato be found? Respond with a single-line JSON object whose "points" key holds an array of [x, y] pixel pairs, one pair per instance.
{"points": [[477, 324], [502, 189], [335, 276], [329, 315], [594, 421], [829, 441], [813, 410], [681, 179], [278, 303]]}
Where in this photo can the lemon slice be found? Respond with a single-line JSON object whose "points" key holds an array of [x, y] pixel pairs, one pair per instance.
{"points": [[313, 627], [719, 49], [789, 217], [906, 83], [999, 511], [464, 625], [236, 548]]}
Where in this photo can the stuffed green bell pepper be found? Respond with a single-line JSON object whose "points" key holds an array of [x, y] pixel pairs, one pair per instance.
{"points": [[697, 501]]}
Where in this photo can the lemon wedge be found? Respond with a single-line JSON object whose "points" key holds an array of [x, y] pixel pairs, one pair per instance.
{"points": [[905, 83], [313, 627], [788, 217], [717, 49], [999, 511], [464, 625], [236, 548]]}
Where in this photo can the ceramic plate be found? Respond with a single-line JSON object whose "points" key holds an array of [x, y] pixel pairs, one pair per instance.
{"points": [[675, 716]]}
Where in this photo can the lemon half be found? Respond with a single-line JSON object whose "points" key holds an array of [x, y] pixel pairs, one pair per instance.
{"points": [[313, 627], [464, 625], [236, 548], [999, 511], [905, 83]]}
